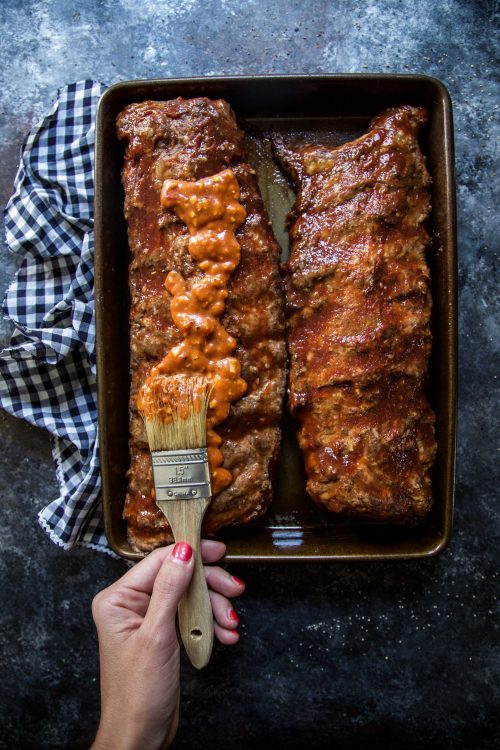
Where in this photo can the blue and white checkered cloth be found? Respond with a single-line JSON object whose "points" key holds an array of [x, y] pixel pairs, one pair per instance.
{"points": [[48, 371]]}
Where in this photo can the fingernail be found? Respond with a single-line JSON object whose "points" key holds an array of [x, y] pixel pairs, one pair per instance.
{"points": [[237, 581], [233, 615], [182, 551], [235, 632]]}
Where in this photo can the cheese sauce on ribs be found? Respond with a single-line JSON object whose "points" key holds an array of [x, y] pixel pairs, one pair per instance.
{"points": [[189, 140], [359, 304]]}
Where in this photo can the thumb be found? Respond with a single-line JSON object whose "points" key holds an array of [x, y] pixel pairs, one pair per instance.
{"points": [[170, 584]]}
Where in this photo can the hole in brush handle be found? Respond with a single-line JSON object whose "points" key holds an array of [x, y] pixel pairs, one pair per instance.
{"points": [[196, 634]]}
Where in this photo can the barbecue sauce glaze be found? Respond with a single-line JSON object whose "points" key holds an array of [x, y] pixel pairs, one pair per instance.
{"points": [[211, 210]]}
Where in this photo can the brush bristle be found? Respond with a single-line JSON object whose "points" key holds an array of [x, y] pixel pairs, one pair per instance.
{"points": [[175, 413]]}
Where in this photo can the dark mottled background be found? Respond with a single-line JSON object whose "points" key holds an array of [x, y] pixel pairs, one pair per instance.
{"points": [[343, 655]]}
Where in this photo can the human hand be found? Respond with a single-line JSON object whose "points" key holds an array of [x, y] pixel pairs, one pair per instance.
{"points": [[139, 648]]}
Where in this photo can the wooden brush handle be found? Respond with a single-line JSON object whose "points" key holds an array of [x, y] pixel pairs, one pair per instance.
{"points": [[196, 624]]}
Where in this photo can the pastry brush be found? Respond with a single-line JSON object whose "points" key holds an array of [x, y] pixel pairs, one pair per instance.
{"points": [[174, 409]]}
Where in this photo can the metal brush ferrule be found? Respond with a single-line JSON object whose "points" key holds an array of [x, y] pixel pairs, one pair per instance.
{"points": [[181, 474]]}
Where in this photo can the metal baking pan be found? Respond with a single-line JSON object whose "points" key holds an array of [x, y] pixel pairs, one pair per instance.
{"points": [[314, 107]]}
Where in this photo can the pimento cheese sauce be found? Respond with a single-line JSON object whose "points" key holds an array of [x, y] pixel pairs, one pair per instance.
{"points": [[211, 210]]}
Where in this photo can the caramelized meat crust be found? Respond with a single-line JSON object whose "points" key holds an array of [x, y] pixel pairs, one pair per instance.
{"points": [[188, 140], [359, 304]]}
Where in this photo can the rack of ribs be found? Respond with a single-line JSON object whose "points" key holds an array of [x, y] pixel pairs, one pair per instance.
{"points": [[188, 140], [358, 318]]}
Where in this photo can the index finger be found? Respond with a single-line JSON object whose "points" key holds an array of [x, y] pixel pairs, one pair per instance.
{"points": [[211, 550]]}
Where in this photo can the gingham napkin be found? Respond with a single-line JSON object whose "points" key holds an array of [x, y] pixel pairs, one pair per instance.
{"points": [[48, 371]]}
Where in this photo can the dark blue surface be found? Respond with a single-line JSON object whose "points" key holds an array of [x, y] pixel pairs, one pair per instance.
{"points": [[345, 655]]}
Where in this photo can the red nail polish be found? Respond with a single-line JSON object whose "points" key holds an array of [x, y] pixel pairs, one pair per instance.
{"points": [[233, 616], [182, 551], [235, 632], [237, 581]]}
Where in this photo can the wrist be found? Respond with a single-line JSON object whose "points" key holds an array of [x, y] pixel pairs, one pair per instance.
{"points": [[126, 737]]}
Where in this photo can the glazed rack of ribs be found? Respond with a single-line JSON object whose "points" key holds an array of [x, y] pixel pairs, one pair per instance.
{"points": [[190, 139], [358, 319]]}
